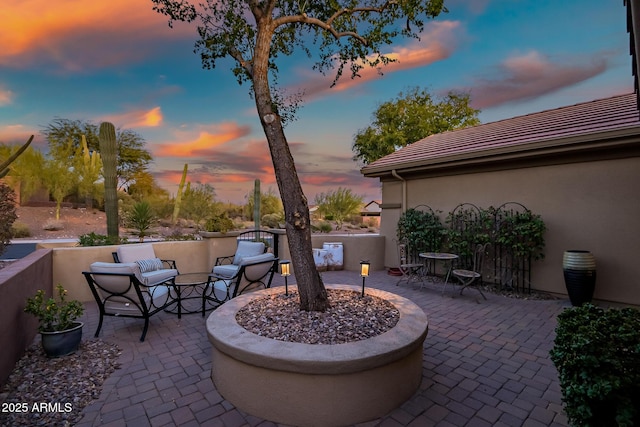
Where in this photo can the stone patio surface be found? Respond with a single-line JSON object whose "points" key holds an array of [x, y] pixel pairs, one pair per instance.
{"points": [[486, 363]]}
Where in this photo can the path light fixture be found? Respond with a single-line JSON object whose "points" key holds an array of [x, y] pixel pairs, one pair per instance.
{"points": [[285, 272], [364, 272]]}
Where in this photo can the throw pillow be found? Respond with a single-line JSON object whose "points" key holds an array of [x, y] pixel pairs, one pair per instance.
{"points": [[147, 265]]}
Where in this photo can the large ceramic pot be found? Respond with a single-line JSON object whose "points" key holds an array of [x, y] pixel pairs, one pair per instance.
{"points": [[62, 343], [314, 384], [579, 269]]}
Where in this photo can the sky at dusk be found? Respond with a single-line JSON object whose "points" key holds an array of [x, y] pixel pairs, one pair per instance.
{"points": [[119, 61]]}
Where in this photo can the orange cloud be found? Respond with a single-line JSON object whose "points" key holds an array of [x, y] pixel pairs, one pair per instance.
{"points": [[204, 142], [138, 118], [435, 44], [80, 35]]}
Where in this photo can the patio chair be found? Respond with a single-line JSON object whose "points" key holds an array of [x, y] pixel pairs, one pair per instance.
{"points": [[409, 268], [120, 289], [254, 273], [228, 266], [471, 277]]}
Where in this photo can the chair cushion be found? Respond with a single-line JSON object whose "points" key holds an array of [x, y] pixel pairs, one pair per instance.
{"points": [[247, 249], [227, 270], [257, 258], [133, 253], [156, 277], [151, 264]]}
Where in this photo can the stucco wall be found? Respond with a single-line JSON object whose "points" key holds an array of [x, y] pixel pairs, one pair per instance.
{"points": [[200, 256], [19, 281], [593, 206]]}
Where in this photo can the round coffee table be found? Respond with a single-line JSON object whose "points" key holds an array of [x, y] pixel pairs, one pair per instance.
{"points": [[188, 288]]}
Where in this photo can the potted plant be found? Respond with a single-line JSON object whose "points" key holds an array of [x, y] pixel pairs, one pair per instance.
{"points": [[61, 332]]}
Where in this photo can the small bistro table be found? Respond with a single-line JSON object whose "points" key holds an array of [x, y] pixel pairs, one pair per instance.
{"points": [[446, 258], [189, 286]]}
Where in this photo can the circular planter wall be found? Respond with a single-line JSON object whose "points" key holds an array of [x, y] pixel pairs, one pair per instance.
{"points": [[317, 384]]}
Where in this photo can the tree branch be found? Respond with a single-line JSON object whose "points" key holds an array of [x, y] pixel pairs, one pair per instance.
{"points": [[327, 26]]}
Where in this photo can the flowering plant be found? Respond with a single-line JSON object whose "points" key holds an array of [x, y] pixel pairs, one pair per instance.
{"points": [[54, 315]]}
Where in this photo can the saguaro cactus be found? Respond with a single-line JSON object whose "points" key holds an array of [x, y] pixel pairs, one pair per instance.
{"points": [[256, 204], [109, 154], [4, 167], [176, 207]]}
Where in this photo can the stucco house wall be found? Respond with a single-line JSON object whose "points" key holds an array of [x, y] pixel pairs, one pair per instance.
{"points": [[588, 198]]}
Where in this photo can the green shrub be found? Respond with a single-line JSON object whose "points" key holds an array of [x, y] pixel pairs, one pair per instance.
{"points": [[322, 227], [597, 355], [93, 239], [20, 229], [422, 231], [272, 220]]}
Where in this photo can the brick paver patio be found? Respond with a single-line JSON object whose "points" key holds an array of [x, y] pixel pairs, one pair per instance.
{"points": [[486, 363]]}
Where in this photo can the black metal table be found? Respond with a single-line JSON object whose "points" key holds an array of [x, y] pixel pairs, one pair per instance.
{"points": [[189, 287]]}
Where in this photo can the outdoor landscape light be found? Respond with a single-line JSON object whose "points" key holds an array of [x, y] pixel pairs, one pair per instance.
{"points": [[364, 272], [284, 271]]}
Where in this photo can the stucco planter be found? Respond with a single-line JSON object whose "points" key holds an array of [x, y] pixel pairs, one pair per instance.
{"points": [[315, 384]]}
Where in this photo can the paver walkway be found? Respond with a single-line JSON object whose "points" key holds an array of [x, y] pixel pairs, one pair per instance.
{"points": [[486, 363]]}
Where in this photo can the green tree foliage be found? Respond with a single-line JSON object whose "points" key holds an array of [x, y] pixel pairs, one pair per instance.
{"points": [[270, 204], [348, 34], [411, 117], [7, 215], [59, 177], [338, 204], [4, 165], [145, 187], [199, 203], [132, 156], [26, 170]]}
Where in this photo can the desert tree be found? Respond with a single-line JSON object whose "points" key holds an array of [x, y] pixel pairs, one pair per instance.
{"points": [[133, 157], [344, 34], [338, 204], [413, 115]]}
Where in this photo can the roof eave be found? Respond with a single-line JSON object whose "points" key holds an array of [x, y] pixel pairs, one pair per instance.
{"points": [[609, 140]]}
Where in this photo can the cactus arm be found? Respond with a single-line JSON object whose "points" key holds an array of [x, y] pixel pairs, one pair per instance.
{"points": [[4, 167]]}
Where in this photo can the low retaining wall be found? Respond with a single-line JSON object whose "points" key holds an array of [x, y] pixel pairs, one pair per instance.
{"points": [[19, 281], [317, 384]]}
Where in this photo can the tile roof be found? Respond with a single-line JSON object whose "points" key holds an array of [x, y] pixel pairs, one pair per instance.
{"points": [[566, 128]]}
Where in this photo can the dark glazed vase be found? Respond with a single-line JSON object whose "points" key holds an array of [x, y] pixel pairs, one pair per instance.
{"points": [[62, 343], [579, 275]]}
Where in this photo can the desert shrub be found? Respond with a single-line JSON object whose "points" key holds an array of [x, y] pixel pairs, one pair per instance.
{"points": [[322, 227], [53, 225], [7, 215], [597, 355], [140, 218], [221, 223], [20, 229], [272, 220]]}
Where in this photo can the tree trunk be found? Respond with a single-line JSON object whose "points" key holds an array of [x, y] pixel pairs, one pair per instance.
{"points": [[313, 295]]}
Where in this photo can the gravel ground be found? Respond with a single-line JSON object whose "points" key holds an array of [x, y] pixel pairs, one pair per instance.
{"points": [[53, 392], [350, 318]]}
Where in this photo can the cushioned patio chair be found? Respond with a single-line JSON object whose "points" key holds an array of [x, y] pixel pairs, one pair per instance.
{"points": [[152, 268], [228, 266], [254, 273], [120, 289]]}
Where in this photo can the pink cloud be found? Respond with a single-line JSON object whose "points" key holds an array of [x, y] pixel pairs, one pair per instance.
{"points": [[530, 76], [435, 44], [6, 96], [69, 36]]}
